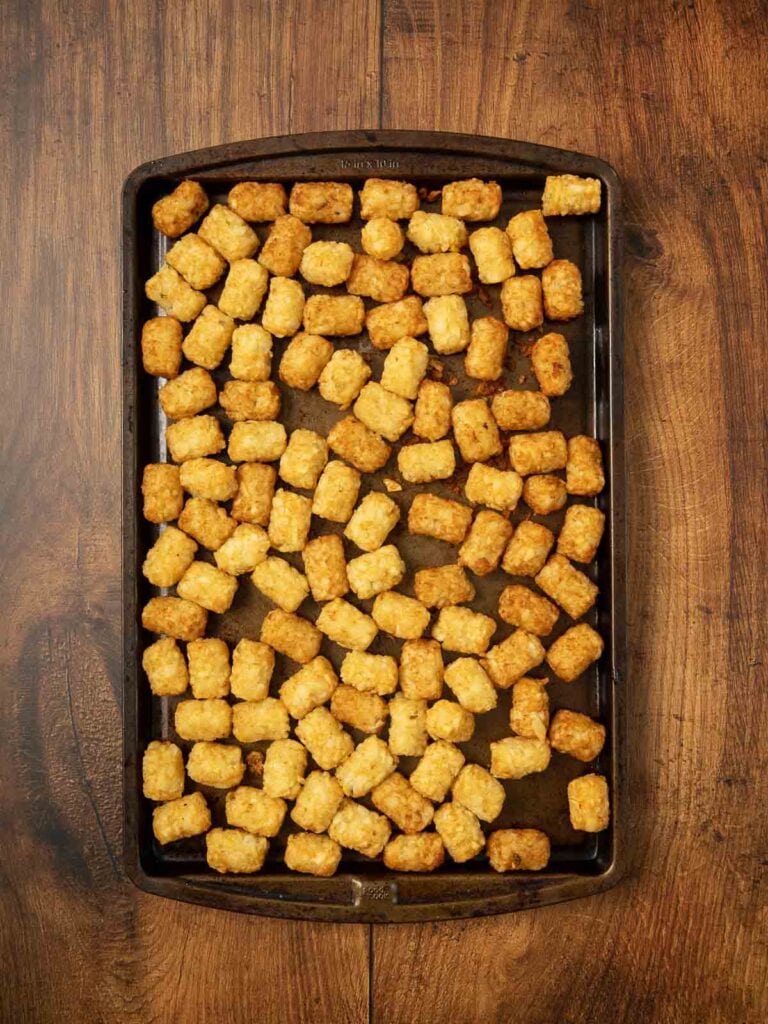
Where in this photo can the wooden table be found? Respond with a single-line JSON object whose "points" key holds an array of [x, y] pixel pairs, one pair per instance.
{"points": [[673, 95]]}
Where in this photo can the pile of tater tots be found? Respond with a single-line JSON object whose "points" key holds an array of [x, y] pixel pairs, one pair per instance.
{"points": [[318, 758]]}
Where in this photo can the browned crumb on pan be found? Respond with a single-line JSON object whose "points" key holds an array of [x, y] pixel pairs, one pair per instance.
{"points": [[429, 195], [435, 369], [255, 762]]}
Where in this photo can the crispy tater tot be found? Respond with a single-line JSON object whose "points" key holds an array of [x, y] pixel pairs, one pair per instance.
{"points": [[187, 394], [521, 303], [521, 607], [574, 651], [477, 790], [487, 348], [171, 292], [336, 492], [197, 262], [460, 831], [566, 194], [588, 804], [180, 819], [463, 631], [209, 338], [518, 756], [584, 469], [346, 625], [229, 234], [528, 550], [435, 772], [361, 709], [472, 199], [207, 586], [551, 363], [544, 494], [315, 806], [381, 411], [312, 854], [291, 635], [326, 568], [422, 463], [576, 734], [381, 280], [285, 245], [284, 308], [542, 452], [258, 200], [395, 320], [443, 585], [326, 263], [475, 430], [177, 618], [169, 558], [165, 667], [493, 255], [448, 322], [357, 828], [485, 543], [244, 289], [518, 849], [430, 516], [352, 440], [529, 235], [176, 213], [161, 339], [568, 586], [256, 487], [404, 367], [421, 670], [581, 533], [380, 197], [400, 616], [321, 202], [162, 770], [433, 232], [423, 851], [561, 287], [520, 410], [496, 488], [289, 521], [334, 315], [208, 478], [471, 685], [432, 419], [529, 714], [402, 804], [444, 273], [382, 238], [513, 658], [343, 377]]}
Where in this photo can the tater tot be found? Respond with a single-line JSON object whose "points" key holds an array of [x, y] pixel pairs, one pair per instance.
{"points": [[343, 377], [359, 708], [352, 440], [492, 251], [255, 811], [326, 263], [472, 199], [232, 851], [380, 197], [304, 459], [256, 488], [336, 492], [244, 289], [381, 280], [320, 798], [496, 488], [229, 234], [252, 666], [521, 607], [422, 463], [207, 522], [209, 719], [304, 360], [383, 412], [162, 771], [487, 348], [443, 585], [169, 558], [180, 819], [161, 346], [581, 532], [207, 586], [208, 478], [566, 194], [198, 263], [448, 322], [430, 516], [357, 828], [284, 768], [402, 804], [177, 618], [168, 289], [256, 720], [518, 849], [475, 430], [421, 670], [325, 567], [289, 521], [257, 441], [278, 581], [460, 831], [165, 667], [215, 764], [285, 245], [470, 683], [376, 673], [444, 273], [432, 419], [407, 726], [561, 287], [404, 367], [324, 738], [209, 338], [551, 363], [334, 315], [369, 764], [346, 625], [511, 659], [382, 238], [251, 353], [477, 790], [423, 851], [485, 543], [543, 452], [434, 232], [434, 774], [568, 586], [258, 200], [576, 734], [528, 550], [312, 854], [291, 635], [517, 756], [584, 473], [187, 394], [544, 494], [395, 320], [529, 714], [531, 244], [177, 212], [321, 202], [574, 651], [521, 303], [284, 307], [449, 721], [400, 616], [375, 571], [588, 804], [520, 410], [208, 667]]}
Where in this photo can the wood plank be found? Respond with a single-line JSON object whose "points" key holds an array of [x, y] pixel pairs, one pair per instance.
{"points": [[93, 89], [673, 96]]}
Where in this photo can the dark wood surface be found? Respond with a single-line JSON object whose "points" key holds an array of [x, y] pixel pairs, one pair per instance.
{"points": [[673, 95]]}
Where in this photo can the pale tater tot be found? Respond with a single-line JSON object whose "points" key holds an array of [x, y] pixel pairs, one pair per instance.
{"points": [[312, 854], [278, 581], [177, 618], [258, 200], [576, 734], [215, 764], [369, 764], [256, 488], [529, 714], [520, 410], [169, 558], [180, 819], [434, 232], [551, 363], [517, 756], [531, 244], [449, 721], [513, 658], [383, 412], [432, 419], [544, 494], [581, 533], [250, 400], [588, 804], [168, 289], [187, 394], [487, 349], [304, 459], [361, 709], [566, 194], [198, 263], [375, 673], [380, 197], [343, 377], [492, 251], [543, 452], [382, 238], [407, 735], [208, 478], [324, 738], [317, 803], [232, 851], [256, 720], [444, 273], [257, 441], [561, 286], [375, 571], [244, 289], [460, 831], [251, 353], [229, 234], [498, 489], [521, 303], [521, 607], [289, 521], [165, 667], [284, 768], [434, 774], [470, 683], [334, 315], [443, 585], [291, 635], [395, 320], [568, 586], [422, 463], [400, 616], [161, 339], [485, 543], [252, 666], [472, 199], [177, 212], [423, 851], [448, 322], [326, 568], [304, 360], [162, 771], [336, 492], [209, 668], [380, 280], [352, 440], [209, 338], [357, 828], [243, 551], [209, 719], [207, 522], [477, 790], [528, 550], [421, 670], [207, 586], [404, 367], [574, 651], [584, 473], [321, 202], [285, 245], [346, 625], [284, 309], [430, 516], [255, 811], [326, 263], [518, 849], [402, 804], [475, 430]]}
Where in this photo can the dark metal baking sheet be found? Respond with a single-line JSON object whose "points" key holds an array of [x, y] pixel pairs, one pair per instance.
{"points": [[363, 890]]}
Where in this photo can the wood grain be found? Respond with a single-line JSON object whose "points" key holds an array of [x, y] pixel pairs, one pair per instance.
{"points": [[656, 90]]}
